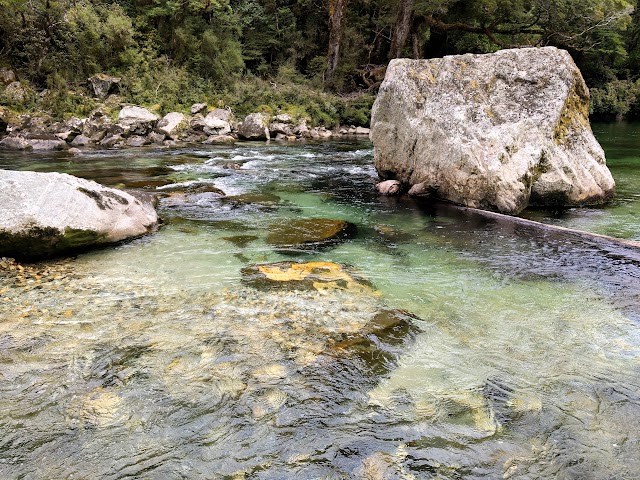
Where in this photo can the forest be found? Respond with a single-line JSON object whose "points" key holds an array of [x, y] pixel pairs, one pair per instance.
{"points": [[321, 58]]}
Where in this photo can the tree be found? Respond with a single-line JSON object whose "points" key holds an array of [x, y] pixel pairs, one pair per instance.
{"points": [[336, 17]]}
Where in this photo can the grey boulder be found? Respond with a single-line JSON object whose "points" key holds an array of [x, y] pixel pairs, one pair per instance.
{"points": [[134, 114], [47, 214], [101, 85], [498, 131], [254, 127], [172, 124]]}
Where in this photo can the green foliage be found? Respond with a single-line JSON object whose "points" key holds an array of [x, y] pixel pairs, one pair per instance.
{"points": [[273, 54], [620, 98], [300, 101]]}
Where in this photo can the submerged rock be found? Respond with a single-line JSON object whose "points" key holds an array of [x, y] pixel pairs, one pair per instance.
{"points": [[241, 240], [309, 233], [265, 199], [498, 131], [46, 214], [320, 276]]}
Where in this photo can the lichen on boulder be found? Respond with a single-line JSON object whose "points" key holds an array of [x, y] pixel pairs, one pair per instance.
{"points": [[500, 131], [320, 276]]}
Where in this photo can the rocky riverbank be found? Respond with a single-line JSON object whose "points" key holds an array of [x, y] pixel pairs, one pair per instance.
{"points": [[135, 126]]}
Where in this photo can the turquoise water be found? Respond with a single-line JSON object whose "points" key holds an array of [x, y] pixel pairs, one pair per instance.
{"points": [[518, 354]]}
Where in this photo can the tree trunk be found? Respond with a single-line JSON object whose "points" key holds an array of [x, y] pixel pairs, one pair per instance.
{"points": [[416, 37], [401, 28], [336, 15]]}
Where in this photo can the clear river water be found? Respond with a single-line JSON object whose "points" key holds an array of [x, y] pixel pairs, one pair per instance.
{"points": [[452, 346]]}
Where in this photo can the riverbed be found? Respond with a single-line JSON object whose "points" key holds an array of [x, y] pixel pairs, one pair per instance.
{"points": [[452, 346]]}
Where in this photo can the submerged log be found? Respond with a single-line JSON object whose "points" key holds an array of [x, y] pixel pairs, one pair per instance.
{"points": [[593, 238]]}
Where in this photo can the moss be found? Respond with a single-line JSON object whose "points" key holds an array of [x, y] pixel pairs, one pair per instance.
{"points": [[39, 242], [575, 113]]}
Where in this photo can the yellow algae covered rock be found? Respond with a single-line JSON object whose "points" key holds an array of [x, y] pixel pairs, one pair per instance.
{"points": [[321, 276], [309, 233]]}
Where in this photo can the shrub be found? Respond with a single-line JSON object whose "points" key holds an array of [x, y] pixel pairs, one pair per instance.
{"points": [[619, 98]]}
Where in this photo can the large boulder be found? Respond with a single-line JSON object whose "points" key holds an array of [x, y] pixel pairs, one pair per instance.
{"points": [[498, 131], [137, 120], [101, 85], [172, 124], [46, 214], [255, 127], [218, 122], [16, 92], [35, 142]]}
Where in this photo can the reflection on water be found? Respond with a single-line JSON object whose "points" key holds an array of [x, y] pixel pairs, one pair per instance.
{"points": [[475, 351]]}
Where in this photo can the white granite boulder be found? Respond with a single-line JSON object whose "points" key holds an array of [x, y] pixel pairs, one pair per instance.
{"points": [[498, 131]]}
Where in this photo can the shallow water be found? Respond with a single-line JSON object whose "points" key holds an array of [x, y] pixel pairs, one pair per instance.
{"points": [[517, 354]]}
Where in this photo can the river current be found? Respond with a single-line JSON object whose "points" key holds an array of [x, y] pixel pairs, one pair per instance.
{"points": [[456, 348]]}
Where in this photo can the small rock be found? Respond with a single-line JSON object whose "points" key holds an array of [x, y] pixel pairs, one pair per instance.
{"points": [[324, 133], [74, 151], [301, 129], [81, 141], [112, 141], [156, 137], [251, 198], [67, 136], [362, 131], [219, 139], [419, 190], [197, 123], [198, 108], [389, 187], [136, 141], [280, 128], [7, 76], [283, 118], [75, 124]]}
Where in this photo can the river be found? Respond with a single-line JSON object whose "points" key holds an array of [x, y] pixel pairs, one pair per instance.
{"points": [[456, 348]]}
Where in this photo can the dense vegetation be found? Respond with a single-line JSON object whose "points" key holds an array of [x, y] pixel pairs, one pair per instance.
{"points": [[322, 58]]}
